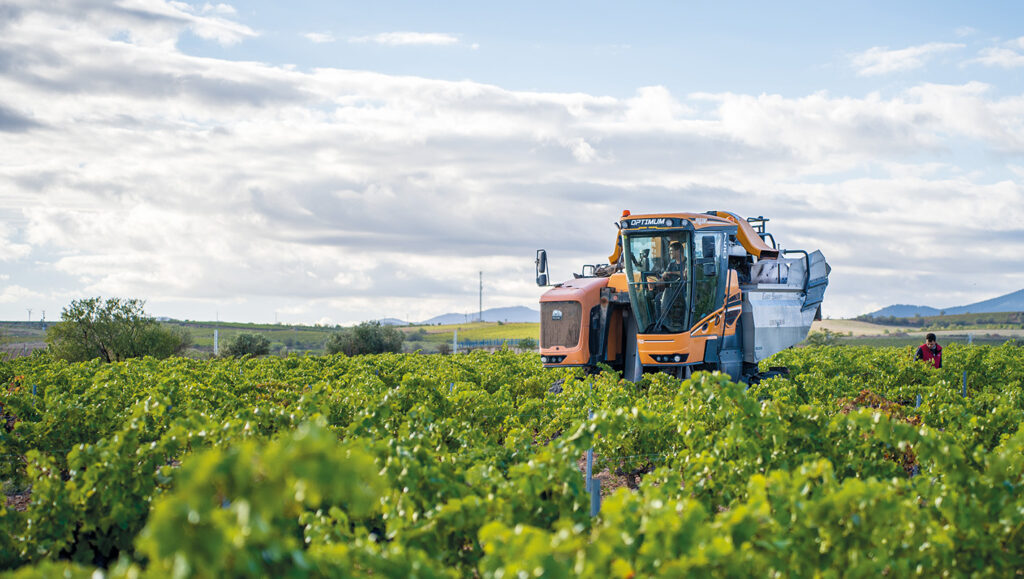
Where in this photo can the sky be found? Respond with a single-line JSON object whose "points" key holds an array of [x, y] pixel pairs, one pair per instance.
{"points": [[335, 162]]}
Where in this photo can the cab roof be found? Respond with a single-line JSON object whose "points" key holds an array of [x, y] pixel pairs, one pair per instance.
{"points": [[697, 220]]}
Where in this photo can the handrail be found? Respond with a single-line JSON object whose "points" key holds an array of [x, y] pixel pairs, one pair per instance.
{"points": [[807, 266]]}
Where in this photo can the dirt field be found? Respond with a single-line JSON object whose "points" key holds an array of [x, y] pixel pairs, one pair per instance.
{"points": [[867, 329], [857, 327]]}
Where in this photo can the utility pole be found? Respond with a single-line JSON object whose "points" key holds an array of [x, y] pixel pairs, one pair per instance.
{"points": [[481, 296]]}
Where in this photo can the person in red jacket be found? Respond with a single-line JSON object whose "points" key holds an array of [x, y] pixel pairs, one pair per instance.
{"points": [[930, 351]]}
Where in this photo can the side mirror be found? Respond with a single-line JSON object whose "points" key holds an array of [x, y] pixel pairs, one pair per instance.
{"points": [[542, 267], [708, 245]]}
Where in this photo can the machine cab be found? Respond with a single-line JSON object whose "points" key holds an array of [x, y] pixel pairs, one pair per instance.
{"points": [[676, 274]]}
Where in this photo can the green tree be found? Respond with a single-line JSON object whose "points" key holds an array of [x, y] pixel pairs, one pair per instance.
{"points": [[366, 338], [251, 344], [113, 330], [528, 344], [825, 337]]}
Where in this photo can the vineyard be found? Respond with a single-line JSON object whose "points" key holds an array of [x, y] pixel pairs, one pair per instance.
{"points": [[861, 463]]}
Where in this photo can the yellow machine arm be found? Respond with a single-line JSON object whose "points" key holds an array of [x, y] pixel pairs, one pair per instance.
{"points": [[614, 257], [751, 241]]}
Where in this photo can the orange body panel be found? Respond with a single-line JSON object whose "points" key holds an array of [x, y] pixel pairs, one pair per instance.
{"points": [[619, 283], [586, 291], [716, 325], [649, 345], [614, 346]]}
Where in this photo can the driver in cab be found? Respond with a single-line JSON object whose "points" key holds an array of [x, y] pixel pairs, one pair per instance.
{"points": [[676, 268]]}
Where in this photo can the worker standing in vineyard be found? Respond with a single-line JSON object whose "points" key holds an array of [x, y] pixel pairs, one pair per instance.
{"points": [[930, 351]]}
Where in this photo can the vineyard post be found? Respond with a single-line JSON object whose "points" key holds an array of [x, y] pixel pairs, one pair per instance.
{"points": [[592, 485], [590, 457], [590, 468], [963, 385]]}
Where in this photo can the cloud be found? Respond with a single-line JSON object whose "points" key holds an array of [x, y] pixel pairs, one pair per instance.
{"points": [[225, 9], [206, 184], [207, 22], [149, 23], [409, 38], [1009, 56], [881, 60], [12, 121], [319, 37], [10, 250], [15, 293]]}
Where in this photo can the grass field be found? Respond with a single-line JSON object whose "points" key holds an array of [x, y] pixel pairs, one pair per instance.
{"points": [[282, 338], [861, 333], [20, 338], [476, 331]]}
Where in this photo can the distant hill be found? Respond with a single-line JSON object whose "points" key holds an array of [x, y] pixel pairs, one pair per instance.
{"points": [[1011, 302], [904, 311], [514, 314], [393, 322]]}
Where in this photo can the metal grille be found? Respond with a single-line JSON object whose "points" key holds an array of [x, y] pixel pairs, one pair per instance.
{"points": [[560, 324]]}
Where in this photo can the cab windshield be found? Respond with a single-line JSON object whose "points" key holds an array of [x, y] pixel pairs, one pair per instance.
{"points": [[658, 270]]}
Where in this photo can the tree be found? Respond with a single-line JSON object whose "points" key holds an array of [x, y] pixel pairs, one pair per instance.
{"points": [[112, 330], [825, 337], [251, 344], [528, 344], [366, 338]]}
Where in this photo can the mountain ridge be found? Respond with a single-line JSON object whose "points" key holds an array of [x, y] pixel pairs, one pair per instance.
{"points": [[514, 314], [1011, 302]]}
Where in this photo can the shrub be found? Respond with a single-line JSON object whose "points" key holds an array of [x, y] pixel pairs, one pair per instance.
{"points": [[825, 337], [366, 338], [112, 330], [251, 344]]}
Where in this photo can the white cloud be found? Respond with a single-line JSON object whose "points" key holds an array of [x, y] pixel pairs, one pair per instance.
{"points": [[352, 195], [409, 38], [1001, 57], [319, 37], [882, 60], [655, 105], [16, 293], [225, 9], [9, 250], [582, 151]]}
